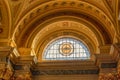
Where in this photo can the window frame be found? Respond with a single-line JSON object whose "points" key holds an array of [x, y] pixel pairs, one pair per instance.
{"points": [[55, 40]]}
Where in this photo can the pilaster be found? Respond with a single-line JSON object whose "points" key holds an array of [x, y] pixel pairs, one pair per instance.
{"points": [[23, 65]]}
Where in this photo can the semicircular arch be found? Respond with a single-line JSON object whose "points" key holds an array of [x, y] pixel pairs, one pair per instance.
{"points": [[82, 8]]}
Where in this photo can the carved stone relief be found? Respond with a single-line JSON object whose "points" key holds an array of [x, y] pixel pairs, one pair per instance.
{"points": [[2, 69], [7, 75], [110, 76], [5, 72], [26, 76]]}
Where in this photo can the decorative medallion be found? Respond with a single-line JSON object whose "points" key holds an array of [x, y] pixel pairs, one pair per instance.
{"points": [[66, 49]]}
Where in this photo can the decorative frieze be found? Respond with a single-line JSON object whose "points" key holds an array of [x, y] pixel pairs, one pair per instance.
{"points": [[64, 72]]}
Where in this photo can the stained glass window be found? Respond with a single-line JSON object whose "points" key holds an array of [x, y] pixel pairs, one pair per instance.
{"points": [[66, 49]]}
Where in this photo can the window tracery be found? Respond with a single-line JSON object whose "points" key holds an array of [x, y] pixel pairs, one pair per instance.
{"points": [[66, 49]]}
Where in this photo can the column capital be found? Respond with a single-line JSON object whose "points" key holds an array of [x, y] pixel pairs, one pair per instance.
{"points": [[5, 51], [24, 51], [25, 56]]}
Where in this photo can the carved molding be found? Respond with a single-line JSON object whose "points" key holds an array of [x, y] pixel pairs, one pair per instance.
{"points": [[41, 44], [111, 4], [80, 5], [5, 51]]}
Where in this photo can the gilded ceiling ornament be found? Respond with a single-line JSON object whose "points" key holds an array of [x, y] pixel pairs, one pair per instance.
{"points": [[65, 24]]}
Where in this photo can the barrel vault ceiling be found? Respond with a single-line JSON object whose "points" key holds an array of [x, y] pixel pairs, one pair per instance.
{"points": [[21, 21], [27, 26]]}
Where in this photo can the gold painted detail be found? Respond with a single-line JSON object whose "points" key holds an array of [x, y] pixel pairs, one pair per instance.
{"points": [[66, 49], [99, 14]]}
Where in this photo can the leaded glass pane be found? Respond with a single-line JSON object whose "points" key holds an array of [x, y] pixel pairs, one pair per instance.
{"points": [[66, 49]]}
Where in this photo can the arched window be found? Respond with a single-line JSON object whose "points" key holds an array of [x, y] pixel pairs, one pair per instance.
{"points": [[66, 49]]}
